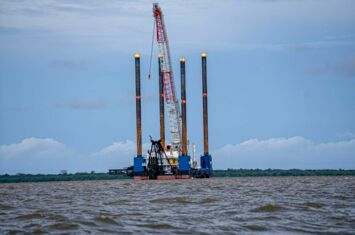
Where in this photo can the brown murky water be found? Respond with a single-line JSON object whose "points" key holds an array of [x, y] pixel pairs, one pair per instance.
{"points": [[320, 205]]}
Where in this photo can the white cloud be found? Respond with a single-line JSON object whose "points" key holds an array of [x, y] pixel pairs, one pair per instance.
{"points": [[33, 146], [294, 152], [124, 147], [35, 155], [118, 154], [126, 25]]}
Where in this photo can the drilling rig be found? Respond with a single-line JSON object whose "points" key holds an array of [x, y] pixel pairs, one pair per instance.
{"points": [[172, 161]]}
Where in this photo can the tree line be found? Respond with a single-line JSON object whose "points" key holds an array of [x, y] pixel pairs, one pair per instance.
{"points": [[280, 172], [216, 173]]}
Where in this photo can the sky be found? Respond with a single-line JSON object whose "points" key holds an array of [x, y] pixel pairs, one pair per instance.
{"points": [[281, 80]]}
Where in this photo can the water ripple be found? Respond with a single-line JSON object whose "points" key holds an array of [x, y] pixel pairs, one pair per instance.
{"points": [[288, 205]]}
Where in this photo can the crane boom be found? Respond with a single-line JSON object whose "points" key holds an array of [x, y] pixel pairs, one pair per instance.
{"points": [[168, 78]]}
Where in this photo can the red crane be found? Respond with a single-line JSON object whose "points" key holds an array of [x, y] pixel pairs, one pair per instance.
{"points": [[168, 78]]}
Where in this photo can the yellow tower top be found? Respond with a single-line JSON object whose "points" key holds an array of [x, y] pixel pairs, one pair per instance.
{"points": [[203, 54], [182, 59], [137, 55]]}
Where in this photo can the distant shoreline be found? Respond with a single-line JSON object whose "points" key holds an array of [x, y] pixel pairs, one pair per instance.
{"points": [[21, 178]]}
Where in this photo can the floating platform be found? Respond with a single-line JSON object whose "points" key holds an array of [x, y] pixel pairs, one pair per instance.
{"points": [[164, 177], [171, 162], [140, 177]]}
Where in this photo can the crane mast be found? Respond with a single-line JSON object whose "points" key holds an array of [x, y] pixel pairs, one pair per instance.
{"points": [[171, 161], [172, 103]]}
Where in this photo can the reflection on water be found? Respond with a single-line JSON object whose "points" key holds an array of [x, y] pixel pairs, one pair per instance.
{"points": [[207, 206]]}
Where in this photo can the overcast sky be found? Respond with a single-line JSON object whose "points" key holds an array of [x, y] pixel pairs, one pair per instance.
{"points": [[281, 79]]}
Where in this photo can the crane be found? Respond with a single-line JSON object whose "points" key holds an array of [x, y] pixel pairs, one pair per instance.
{"points": [[170, 161], [172, 103]]}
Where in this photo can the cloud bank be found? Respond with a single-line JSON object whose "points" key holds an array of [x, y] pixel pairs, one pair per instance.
{"points": [[35, 155], [114, 23], [285, 153]]}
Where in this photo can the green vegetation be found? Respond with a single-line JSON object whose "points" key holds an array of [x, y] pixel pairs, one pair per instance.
{"points": [[278, 172], [217, 173], [60, 177]]}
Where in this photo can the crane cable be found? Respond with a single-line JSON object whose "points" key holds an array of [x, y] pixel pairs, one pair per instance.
{"points": [[151, 51]]}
